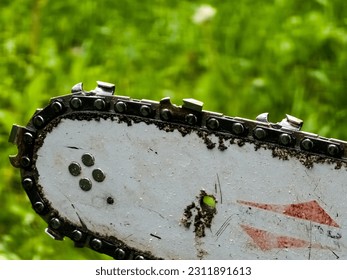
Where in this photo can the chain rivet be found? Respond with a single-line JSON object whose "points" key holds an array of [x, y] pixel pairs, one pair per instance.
{"points": [[99, 104], [98, 175], [285, 139], [88, 159], [85, 184], [57, 107], [38, 121], [212, 123], [25, 161], [77, 235], [333, 149], [165, 114], [119, 254], [139, 257], [120, 107], [307, 144], [28, 138], [27, 183], [238, 128], [191, 119], [55, 223], [96, 244], [145, 110], [39, 207], [259, 133], [76, 103]]}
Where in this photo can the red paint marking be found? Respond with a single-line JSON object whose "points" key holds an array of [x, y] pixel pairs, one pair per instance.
{"points": [[267, 241], [308, 211]]}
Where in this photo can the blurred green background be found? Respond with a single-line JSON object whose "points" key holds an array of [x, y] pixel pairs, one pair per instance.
{"points": [[240, 57]]}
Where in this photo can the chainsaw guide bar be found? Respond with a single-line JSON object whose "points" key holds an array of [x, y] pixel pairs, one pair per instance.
{"points": [[139, 179]]}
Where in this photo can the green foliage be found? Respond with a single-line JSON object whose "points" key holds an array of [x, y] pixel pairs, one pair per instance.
{"points": [[281, 56]]}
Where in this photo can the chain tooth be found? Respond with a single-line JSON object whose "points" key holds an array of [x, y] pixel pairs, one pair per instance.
{"points": [[76, 89], [104, 88], [54, 234], [192, 104]]}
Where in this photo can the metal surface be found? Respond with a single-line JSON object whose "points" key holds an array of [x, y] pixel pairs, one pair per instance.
{"points": [[146, 180]]}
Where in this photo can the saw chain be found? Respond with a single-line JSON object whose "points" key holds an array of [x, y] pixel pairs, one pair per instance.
{"points": [[86, 187]]}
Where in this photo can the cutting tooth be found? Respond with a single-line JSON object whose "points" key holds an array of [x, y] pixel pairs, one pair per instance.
{"points": [[193, 104], [53, 234], [77, 88], [14, 138], [264, 117], [104, 88], [292, 122]]}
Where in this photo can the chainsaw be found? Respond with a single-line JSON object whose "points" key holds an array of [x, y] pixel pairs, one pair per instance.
{"points": [[140, 179]]}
